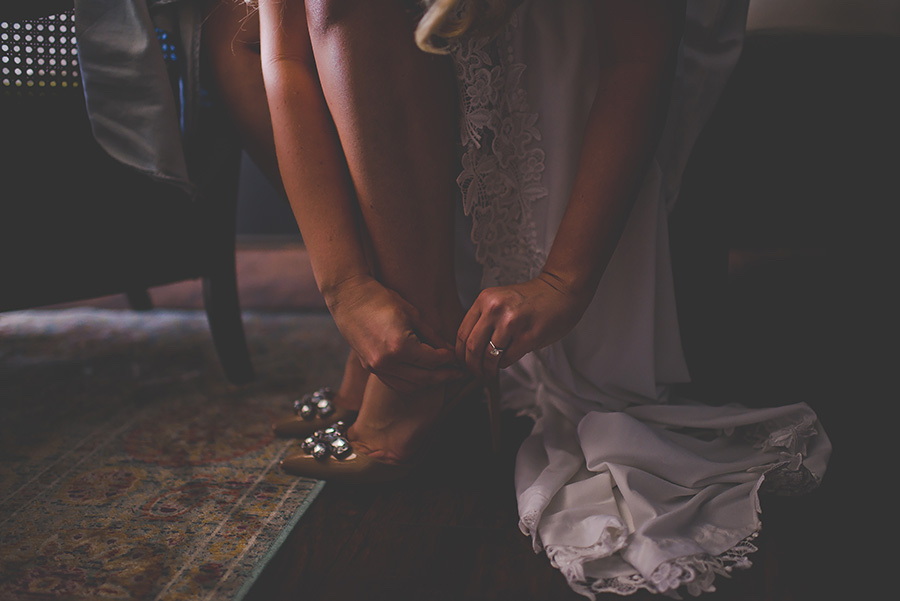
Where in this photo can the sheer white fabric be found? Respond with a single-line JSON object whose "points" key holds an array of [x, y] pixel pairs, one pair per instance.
{"points": [[623, 486]]}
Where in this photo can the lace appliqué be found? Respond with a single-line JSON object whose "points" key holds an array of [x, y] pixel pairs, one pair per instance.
{"points": [[790, 439], [502, 166]]}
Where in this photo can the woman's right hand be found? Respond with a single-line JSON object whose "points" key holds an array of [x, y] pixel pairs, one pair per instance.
{"points": [[389, 336]]}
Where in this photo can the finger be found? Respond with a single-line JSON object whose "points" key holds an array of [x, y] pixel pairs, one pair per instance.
{"points": [[427, 334], [465, 330], [423, 356], [413, 360], [410, 352], [494, 355], [476, 345], [515, 349]]}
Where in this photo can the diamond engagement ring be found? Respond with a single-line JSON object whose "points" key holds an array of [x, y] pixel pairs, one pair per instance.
{"points": [[494, 351]]}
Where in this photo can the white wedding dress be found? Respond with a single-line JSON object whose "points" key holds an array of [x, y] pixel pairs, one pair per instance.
{"points": [[622, 485]]}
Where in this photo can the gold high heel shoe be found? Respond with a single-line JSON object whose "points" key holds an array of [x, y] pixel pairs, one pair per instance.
{"points": [[312, 412], [328, 454]]}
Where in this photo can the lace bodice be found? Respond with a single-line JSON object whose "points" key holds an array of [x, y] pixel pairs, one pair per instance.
{"points": [[502, 165]]}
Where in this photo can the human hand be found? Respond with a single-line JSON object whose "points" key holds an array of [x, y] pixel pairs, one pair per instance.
{"points": [[390, 337], [517, 319]]}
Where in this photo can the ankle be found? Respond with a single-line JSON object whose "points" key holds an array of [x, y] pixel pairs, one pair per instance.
{"points": [[347, 398], [353, 384]]}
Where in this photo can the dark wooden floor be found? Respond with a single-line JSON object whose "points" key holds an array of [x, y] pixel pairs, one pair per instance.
{"points": [[450, 531]]}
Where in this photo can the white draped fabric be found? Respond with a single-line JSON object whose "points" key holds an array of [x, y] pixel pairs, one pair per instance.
{"points": [[622, 485]]}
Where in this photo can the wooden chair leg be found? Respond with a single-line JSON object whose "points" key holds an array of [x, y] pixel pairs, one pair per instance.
{"points": [[223, 311], [139, 299], [217, 164]]}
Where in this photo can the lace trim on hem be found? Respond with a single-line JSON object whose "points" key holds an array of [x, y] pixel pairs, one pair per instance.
{"points": [[570, 560], [695, 573], [528, 523], [502, 166], [528, 526]]}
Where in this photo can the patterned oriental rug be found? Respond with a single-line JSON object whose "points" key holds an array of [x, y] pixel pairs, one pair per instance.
{"points": [[131, 469]]}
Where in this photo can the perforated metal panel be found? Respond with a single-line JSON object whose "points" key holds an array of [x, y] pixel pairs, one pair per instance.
{"points": [[39, 56]]}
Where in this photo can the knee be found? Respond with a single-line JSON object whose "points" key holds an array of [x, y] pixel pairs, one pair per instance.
{"points": [[326, 16]]}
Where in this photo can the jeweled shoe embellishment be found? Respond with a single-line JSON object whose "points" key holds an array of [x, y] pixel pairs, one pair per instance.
{"points": [[318, 404], [312, 412], [328, 442], [324, 407], [340, 448]]}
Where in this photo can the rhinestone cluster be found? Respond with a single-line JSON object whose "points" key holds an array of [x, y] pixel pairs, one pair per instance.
{"points": [[328, 442], [318, 404]]}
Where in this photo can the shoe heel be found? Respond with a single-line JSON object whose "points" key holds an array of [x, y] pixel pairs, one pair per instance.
{"points": [[493, 389]]}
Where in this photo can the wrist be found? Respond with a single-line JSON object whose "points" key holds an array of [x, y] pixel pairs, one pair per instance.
{"points": [[568, 283], [337, 290]]}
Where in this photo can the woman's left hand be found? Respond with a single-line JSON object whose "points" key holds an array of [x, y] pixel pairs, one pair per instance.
{"points": [[517, 319]]}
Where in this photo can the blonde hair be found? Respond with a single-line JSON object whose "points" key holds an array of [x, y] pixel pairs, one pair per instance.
{"points": [[447, 20]]}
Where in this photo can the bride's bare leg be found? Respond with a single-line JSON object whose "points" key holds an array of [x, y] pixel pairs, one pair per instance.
{"points": [[231, 55], [395, 111]]}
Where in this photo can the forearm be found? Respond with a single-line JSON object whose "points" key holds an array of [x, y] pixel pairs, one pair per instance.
{"points": [[623, 128], [311, 161]]}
